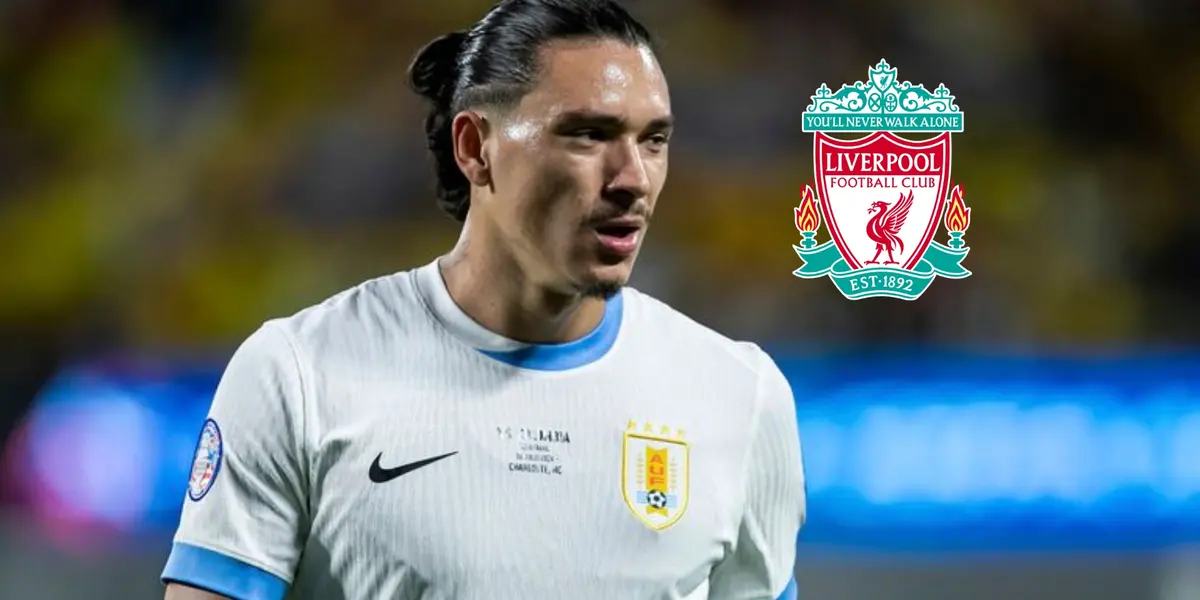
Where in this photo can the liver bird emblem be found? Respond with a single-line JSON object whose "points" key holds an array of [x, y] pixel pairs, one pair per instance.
{"points": [[884, 227]]}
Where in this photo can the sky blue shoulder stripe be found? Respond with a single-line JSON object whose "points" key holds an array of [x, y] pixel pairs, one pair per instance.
{"points": [[789, 593], [571, 355], [220, 574]]}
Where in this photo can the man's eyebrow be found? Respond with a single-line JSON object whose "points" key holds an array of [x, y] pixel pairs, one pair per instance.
{"points": [[662, 123], [610, 120]]}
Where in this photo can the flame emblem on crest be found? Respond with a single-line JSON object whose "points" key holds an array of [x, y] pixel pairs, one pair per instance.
{"points": [[808, 219], [958, 216]]}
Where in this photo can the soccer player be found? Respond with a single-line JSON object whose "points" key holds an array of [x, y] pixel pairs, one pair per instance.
{"points": [[509, 420]]}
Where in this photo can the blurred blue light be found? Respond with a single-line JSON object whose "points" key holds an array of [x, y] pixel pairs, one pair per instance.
{"points": [[914, 451], [114, 448], [903, 451]]}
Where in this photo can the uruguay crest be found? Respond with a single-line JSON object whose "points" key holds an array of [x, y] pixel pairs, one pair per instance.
{"points": [[881, 196], [654, 474]]}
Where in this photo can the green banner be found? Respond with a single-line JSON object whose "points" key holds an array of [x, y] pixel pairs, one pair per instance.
{"points": [[871, 122], [876, 282]]}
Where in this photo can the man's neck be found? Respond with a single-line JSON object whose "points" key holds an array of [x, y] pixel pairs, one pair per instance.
{"points": [[494, 291]]}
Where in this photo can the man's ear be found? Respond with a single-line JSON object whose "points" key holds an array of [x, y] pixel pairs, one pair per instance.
{"points": [[470, 130]]}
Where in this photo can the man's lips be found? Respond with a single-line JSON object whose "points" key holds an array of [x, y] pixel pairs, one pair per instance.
{"points": [[620, 235]]}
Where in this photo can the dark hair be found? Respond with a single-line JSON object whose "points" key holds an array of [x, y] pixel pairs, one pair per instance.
{"points": [[495, 64]]}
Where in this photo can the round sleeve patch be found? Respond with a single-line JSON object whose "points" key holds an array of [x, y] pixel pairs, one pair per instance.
{"points": [[207, 462]]}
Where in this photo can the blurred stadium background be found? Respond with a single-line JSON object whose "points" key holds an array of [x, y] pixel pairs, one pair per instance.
{"points": [[174, 172]]}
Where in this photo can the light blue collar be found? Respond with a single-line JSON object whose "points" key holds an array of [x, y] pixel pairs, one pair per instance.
{"points": [[537, 357], [569, 355]]}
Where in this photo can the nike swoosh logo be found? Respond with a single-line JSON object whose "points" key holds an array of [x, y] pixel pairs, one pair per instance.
{"points": [[379, 474]]}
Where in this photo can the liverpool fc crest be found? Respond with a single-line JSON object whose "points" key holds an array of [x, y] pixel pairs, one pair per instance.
{"points": [[882, 196], [654, 474]]}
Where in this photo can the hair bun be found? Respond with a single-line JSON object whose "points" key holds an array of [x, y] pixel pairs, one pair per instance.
{"points": [[434, 71]]}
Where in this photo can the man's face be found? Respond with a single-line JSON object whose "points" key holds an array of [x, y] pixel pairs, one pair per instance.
{"points": [[579, 164]]}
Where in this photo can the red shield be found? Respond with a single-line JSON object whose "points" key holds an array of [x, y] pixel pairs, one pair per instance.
{"points": [[882, 195]]}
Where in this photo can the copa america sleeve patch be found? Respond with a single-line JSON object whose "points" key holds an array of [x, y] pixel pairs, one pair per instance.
{"points": [[207, 461]]}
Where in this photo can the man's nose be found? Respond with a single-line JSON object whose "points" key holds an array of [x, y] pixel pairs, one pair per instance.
{"points": [[627, 168]]}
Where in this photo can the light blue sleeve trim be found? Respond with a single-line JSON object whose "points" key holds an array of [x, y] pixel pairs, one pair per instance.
{"points": [[789, 592], [220, 574]]}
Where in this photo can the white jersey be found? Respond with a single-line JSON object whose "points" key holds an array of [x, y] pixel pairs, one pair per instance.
{"points": [[383, 445]]}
